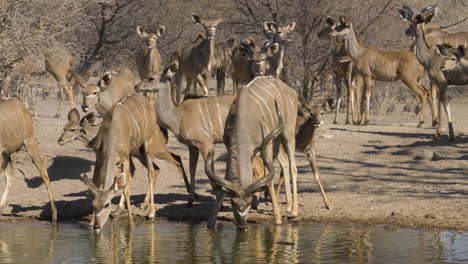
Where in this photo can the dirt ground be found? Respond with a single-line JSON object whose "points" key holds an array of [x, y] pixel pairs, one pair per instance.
{"points": [[387, 173]]}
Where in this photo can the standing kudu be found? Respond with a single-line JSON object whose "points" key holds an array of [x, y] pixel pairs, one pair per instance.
{"points": [[196, 58], [387, 66], [16, 131], [196, 122], [342, 67], [60, 65], [251, 115], [250, 61], [222, 63], [456, 59], [278, 35], [148, 59], [132, 131], [426, 38]]}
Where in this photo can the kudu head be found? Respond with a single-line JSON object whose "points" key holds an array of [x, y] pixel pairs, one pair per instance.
{"points": [[454, 58], [151, 37], [102, 202], [154, 83], [276, 33], [75, 127], [241, 196], [91, 91], [256, 56], [342, 27], [312, 114], [209, 25], [414, 19]]}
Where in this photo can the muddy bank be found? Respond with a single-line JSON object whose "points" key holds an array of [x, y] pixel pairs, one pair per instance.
{"points": [[387, 173]]}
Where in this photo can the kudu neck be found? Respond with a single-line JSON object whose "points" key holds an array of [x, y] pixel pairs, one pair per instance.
{"points": [[168, 112], [353, 46], [423, 53]]}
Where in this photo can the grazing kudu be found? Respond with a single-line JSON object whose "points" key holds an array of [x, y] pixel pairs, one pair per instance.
{"points": [[222, 63], [196, 58], [60, 65], [342, 67], [132, 131], [426, 38], [196, 122], [373, 63], [148, 59], [250, 61], [251, 116], [278, 35], [16, 131]]}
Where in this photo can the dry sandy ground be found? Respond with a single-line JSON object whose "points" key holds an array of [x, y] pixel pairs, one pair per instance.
{"points": [[370, 174]]}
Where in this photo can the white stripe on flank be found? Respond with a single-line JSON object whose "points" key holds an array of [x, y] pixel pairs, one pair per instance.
{"points": [[133, 119], [203, 120], [218, 109], [144, 111], [258, 103], [264, 103]]}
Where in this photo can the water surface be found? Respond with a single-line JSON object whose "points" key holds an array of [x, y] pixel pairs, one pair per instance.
{"points": [[151, 242]]}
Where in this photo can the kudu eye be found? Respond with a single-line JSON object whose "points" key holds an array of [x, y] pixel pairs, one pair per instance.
{"points": [[106, 205], [72, 130]]}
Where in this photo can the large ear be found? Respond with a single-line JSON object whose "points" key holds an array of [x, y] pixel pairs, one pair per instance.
{"points": [[404, 14], [272, 49], [270, 27], [171, 69], [78, 79], [105, 81], [344, 20], [88, 182], [196, 19], [74, 115], [141, 32], [217, 21], [88, 119], [330, 21], [119, 184], [230, 42], [441, 50], [290, 27], [429, 14], [161, 31], [462, 50]]}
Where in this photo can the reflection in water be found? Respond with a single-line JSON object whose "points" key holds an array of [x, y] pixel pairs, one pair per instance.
{"points": [[181, 243]]}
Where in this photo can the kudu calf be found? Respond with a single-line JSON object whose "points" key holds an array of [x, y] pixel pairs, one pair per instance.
{"points": [[387, 66], [16, 131], [456, 59], [342, 67], [278, 35], [132, 131], [148, 59], [251, 115], [195, 58], [250, 61], [426, 38]]}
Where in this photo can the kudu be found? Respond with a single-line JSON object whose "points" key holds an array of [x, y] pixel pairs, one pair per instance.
{"points": [[252, 114], [16, 131], [132, 131], [426, 38], [249, 61], [455, 59], [278, 35], [308, 121], [342, 67], [387, 66], [195, 58], [196, 122], [148, 59], [60, 65], [222, 63]]}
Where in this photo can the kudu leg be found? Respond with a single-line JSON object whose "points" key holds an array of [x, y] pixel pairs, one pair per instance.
{"points": [[290, 150], [33, 149], [284, 164], [151, 176], [359, 82], [4, 163], [443, 98], [422, 93], [203, 84], [367, 91], [126, 169], [350, 89], [338, 96], [434, 95], [313, 165], [193, 160]]}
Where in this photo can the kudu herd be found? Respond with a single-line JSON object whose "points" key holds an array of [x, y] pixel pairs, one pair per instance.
{"points": [[262, 115]]}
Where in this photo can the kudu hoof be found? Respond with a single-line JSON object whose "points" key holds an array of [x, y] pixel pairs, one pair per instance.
{"points": [[435, 123]]}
